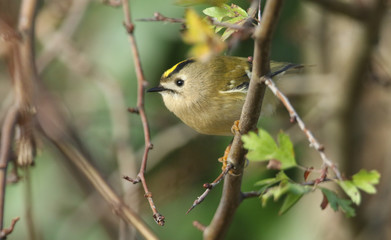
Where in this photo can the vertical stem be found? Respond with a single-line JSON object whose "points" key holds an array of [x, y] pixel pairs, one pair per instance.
{"points": [[7, 132], [141, 83], [231, 197]]}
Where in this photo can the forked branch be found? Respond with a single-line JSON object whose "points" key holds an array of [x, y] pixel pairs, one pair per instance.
{"points": [[141, 83]]}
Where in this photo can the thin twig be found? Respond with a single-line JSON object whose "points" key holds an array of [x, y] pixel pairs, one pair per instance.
{"points": [[29, 215], [23, 72], [296, 118], [210, 186], [7, 132], [199, 226], [77, 158], [141, 83], [7, 231], [231, 197], [251, 194], [158, 17], [53, 44]]}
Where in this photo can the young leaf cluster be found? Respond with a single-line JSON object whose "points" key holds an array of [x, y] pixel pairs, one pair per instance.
{"points": [[227, 14], [263, 148]]}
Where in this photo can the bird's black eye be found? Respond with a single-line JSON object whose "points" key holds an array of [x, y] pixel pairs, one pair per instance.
{"points": [[179, 82]]}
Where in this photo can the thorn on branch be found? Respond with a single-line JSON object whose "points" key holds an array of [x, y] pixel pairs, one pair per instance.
{"points": [[134, 181], [133, 110], [148, 195], [292, 119], [321, 148], [199, 226], [210, 186], [159, 219], [7, 231], [150, 146], [129, 27]]}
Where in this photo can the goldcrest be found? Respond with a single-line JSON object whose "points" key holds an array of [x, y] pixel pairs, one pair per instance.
{"points": [[209, 96]]}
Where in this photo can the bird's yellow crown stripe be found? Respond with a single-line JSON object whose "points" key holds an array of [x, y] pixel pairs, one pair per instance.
{"points": [[169, 71], [177, 67]]}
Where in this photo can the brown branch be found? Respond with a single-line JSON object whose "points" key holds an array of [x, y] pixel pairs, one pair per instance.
{"points": [[158, 17], [353, 9], [7, 231], [296, 118], [53, 124], [53, 44], [353, 75], [77, 158], [251, 110], [251, 194], [199, 226], [23, 72], [209, 187], [141, 83], [7, 132]]}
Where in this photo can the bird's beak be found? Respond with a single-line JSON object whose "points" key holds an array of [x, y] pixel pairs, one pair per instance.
{"points": [[157, 89]]}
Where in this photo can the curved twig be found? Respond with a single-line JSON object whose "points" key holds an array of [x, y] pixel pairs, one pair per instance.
{"points": [[141, 83]]}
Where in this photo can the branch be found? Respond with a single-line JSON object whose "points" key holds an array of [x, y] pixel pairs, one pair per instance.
{"points": [[158, 17], [7, 231], [296, 118], [23, 72], [141, 83], [7, 132], [351, 9], [251, 110], [29, 91], [121, 209], [209, 187]]}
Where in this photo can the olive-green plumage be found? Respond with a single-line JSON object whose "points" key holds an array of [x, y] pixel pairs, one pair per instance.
{"points": [[208, 96]]}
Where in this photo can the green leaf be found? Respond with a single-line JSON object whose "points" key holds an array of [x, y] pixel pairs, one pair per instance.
{"points": [[365, 180], [227, 14], [286, 153], [239, 11], [336, 202], [266, 196], [290, 200], [262, 147], [268, 182], [292, 191], [229, 31], [217, 12], [282, 176], [351, 190]]}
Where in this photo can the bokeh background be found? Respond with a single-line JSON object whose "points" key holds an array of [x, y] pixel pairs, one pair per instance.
{"points": [[84, 59]]}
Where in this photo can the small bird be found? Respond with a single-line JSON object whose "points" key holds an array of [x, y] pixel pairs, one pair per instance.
{"points": [[208, 96]]}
